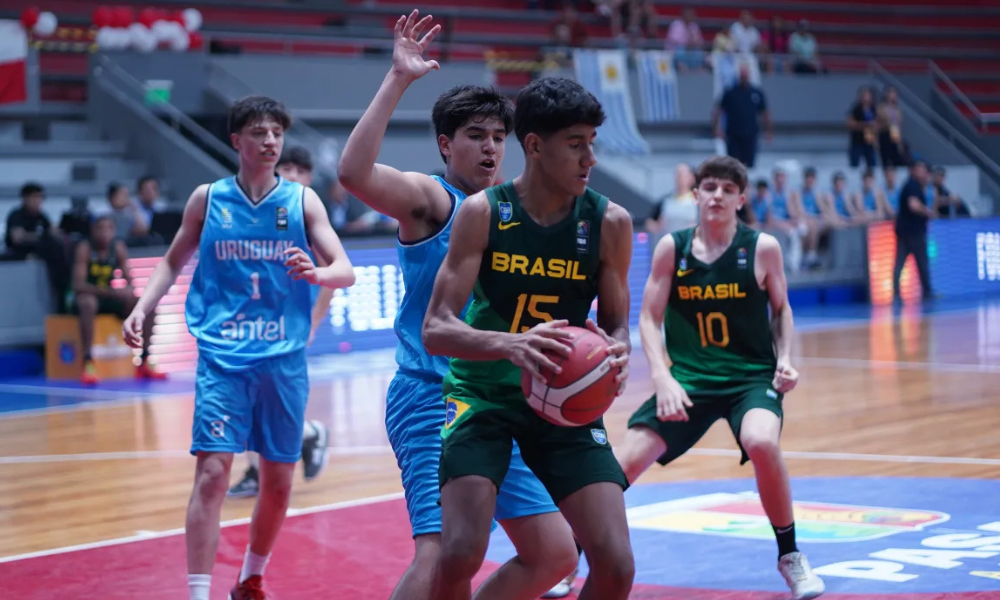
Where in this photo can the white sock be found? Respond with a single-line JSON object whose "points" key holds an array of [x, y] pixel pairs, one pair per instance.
{"points": [[253, 564], [198, 586]]}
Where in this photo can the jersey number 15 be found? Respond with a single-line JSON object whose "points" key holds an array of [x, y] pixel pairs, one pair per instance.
{"points": [[532, 303]]}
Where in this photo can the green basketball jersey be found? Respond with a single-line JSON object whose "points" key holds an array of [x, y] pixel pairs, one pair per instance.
{"points": [[717, 324], [101, 270], [531, 274]]}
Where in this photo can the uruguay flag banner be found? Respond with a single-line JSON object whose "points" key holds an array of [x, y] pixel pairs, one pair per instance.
{"points": [[658, 83], [604, 73]]}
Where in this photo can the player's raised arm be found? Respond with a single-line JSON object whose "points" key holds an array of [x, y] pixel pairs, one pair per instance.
{"points": [[782, 325], [178, 254], [337, 271], [402, 196], [445, 334]]}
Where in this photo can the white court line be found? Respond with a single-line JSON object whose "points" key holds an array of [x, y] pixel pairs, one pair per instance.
{"points": [[79, 406], [152, 454], [292, 512], [864, 363], [847, 456], [40, 390]]}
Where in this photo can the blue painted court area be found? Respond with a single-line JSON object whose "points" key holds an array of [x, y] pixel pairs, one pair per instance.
{"points": [[864, 535]]}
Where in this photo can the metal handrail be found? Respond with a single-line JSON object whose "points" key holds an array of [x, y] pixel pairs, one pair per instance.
{"points": [[984, 119], [179, 118], [928, 113]]}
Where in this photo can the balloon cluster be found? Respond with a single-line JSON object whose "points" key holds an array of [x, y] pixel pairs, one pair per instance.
{"points": [[40, 23], [120, 28]]}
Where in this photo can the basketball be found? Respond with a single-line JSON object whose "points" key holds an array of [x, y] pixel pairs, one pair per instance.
{"points": [[583, 390]]}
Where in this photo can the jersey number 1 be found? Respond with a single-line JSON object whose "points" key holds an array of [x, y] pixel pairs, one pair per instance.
{"points": [[532, 302], [255, 282], [707, 329]]}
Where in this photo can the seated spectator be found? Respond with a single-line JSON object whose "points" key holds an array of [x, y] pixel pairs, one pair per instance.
{"points": [[804, 207], [678, 209], [349, 216], [862, 127], [130, 225], [634, 18], [891, 145], [685, 41], [30, 233], [76, 221], [788, 231], [150, 201], [837, 206], [94, 267], [871, 202], [745, 36], [759, 205], [569, 31], [891, 192], [804, 50], [724, 42], [774, 45], [949, 205]]}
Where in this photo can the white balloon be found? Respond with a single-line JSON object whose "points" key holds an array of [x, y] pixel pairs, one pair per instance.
{"points": [[192, 19], [180, 42], [141, 38], [104, 38], [121, 38], [164, 30], [47, 24]]}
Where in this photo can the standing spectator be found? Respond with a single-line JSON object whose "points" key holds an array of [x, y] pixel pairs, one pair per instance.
{"points": [[891, 146], [804, 50], [685, 41], [862, 126], [911, 229], [129, 223], [949, 205], [744, 105], [745, 36], [150, 201], [774, 43], [30, 233]]}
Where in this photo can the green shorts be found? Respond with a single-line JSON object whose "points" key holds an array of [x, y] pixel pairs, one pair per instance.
{"points": [[482, 423], [105, 306], [680, 436]]}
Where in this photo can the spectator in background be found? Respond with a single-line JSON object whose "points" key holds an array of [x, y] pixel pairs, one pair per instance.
{"points": [[744, 105], [871, 201], [804, 50], [723, 41], [780, 220], [348, 215], [891, 146], [911, 229], [838, 206], [745, 36], [568, 32], [891, 192], [804, 207], [678, 209], [685, 41], [949, 205], [76, 221], [636, 18], [774, 45], [150, 201], [94, 266], [30, 233], [862, 126], [129, 223]]}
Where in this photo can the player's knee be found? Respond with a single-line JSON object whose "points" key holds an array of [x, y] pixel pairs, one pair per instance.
{"points": [[560, 563], [212, 479], [460, 559], [86, 304], [760, 445], [613, 567]]}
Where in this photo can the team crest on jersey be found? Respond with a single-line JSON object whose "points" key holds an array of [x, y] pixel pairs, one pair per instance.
{"points": [[506, 211], [683, 265], [582, 236], [227, 218], [281, 219], [741, 258], [600, 436]]}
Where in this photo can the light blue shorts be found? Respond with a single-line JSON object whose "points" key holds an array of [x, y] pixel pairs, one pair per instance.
{"points": [[414, 415], [260, 409]]}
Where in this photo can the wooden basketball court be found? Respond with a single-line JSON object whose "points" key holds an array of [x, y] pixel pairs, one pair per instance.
{"points": [[883, 395]]}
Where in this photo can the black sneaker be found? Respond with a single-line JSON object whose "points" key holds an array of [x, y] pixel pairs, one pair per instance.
{"points": [[314, 451], [247, 487]]}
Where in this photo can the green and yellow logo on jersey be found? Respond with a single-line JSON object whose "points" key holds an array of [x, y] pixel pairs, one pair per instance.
{"points": [[554, 268], [719, 291]]}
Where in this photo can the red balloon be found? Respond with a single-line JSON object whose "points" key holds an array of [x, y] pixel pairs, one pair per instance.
{"points": [[177, 17], [124, 16], [148, 16], [103, 17], [29, 17], [196, 40]]}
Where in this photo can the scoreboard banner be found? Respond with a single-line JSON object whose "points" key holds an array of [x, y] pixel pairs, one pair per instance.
{"points": [[359, 318], [964, 257]]}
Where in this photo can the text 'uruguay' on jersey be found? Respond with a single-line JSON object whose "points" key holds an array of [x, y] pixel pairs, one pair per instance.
{"points": [[253, 250]]}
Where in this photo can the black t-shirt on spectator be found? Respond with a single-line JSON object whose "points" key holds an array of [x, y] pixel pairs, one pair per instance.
{"points": [[861, 115], [907, 221], [945, 208], [38, 224], [742, 105]]}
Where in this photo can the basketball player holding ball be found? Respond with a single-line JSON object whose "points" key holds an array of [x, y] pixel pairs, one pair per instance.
{"points": [[534, 253], [709, 291]]}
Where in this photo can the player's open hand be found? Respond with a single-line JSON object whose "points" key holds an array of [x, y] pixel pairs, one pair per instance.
{"points": [[527, 350], [301, 266], [132, 329], [786, 377], [618, 350], [672, 401], [407, 54]]}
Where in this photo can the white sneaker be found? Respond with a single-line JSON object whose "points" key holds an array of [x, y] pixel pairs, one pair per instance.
{"points": [[563, 588], [799, 576]]}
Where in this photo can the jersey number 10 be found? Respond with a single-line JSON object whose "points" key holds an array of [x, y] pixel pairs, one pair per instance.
{"points": [[707, 326]]}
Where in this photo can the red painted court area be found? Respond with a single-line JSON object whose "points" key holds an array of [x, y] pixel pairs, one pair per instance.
{"points": [[349, 552]]}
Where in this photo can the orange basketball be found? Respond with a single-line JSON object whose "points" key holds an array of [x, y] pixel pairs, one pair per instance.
{"points": [[583, 390]]}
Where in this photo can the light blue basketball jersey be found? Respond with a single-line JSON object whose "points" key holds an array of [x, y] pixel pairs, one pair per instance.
{"points": [[779, 205], [871, 202], [809, 204], [420, 262], [892, 196], [840, 205], [242, 306]]}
